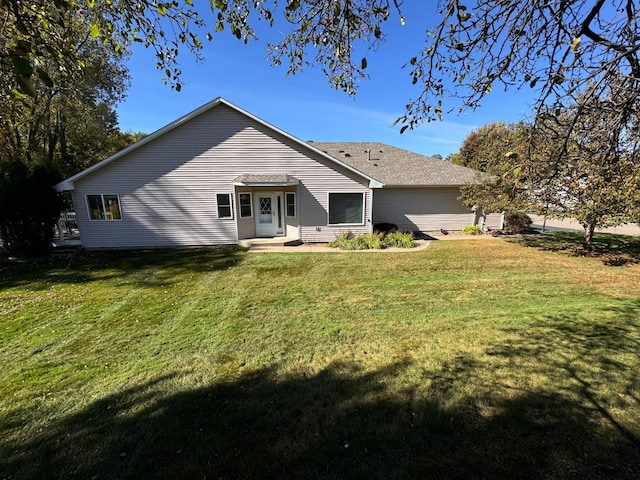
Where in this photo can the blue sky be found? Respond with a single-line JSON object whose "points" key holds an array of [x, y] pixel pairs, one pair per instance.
{"points": [[304, 105]]}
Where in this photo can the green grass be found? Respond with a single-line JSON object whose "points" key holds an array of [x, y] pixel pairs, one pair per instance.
{"points": [[468, 359]]}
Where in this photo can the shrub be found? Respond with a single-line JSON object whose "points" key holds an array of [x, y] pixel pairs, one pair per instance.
{"points": [[385, 227], [516, 222], [472, 230], [372, 241], [399, 239], [342, 240], [29, 208], [349, 241]]}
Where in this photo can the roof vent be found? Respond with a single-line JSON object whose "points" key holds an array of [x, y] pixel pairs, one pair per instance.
{"points": [[347, 154]]}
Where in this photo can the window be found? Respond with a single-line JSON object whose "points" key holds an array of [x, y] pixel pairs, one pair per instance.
{"points": [[223, 201], [104, 207], [346, 208], [290, 200], [244, 200]]}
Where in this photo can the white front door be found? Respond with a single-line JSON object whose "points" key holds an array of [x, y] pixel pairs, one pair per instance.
{"points": [[269, 214]]}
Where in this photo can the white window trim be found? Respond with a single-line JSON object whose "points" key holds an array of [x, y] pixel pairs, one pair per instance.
{"points": [[295, 205], [250, 205], [104, 207], [364, 198], [230, 196]]}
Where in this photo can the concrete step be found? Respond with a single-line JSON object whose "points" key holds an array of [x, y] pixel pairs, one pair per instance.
{"points": [[270, 241]]}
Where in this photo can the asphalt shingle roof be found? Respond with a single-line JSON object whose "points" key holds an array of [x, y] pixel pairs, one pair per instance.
{"points": [[395, 166], [282, 178]]}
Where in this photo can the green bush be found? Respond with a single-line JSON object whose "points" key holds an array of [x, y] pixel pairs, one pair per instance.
{"points": [[372, 241], [399, 239], [516, 222], [342, 240], [472, 230]]}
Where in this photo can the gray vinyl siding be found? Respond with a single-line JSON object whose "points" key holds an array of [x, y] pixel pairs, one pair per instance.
{"points": [[167, 188], [314, 213], [421, 209]]}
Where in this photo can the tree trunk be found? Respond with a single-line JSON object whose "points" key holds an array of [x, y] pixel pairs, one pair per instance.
{"points": [[588, 237]]}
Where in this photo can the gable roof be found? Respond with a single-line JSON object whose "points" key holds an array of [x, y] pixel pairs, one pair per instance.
{"points": [[68, 184], [395, 167]]}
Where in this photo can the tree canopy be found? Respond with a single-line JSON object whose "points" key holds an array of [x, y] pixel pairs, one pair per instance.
{"points": [[56, 114], [560, 49], [497, 149], [586, 171], [66, 117]]}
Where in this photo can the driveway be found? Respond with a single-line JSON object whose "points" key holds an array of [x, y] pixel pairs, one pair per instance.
{"points": [[571, 225]]}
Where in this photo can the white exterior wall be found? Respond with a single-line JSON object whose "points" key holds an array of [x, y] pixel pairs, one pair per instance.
{"points": [[421, 209], [167, 188], [247, 225]]}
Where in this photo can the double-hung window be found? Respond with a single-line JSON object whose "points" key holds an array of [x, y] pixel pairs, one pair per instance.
{"points": [[223, 203], [290, 203], [104, 207], [244, 204], [346, 208]]}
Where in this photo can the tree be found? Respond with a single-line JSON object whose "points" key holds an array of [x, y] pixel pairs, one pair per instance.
{"points": [[68, 120], [496, 149], [560, 49], [58, 119], [36, 33], [29, 208], [587, 171], [484, 149]]}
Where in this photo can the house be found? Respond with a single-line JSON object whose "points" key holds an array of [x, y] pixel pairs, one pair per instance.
{"points": [[220, 174]]}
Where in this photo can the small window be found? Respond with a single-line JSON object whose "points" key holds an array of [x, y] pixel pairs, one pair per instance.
{"points": [[104, 207], [223, 201], [291, 204], [346, 208], [244, 201]]}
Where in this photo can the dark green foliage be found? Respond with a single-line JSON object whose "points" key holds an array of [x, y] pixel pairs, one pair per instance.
{"points": [[29, 208], [516, 222], [385, 227]]}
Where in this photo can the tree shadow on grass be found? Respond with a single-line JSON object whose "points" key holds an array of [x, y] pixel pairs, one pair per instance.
{"points": [[613, 250], [466, 419], [39, 274], [596, 362]]}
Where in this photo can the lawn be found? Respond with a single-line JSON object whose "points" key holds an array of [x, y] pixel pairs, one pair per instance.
{"points": [[469, 359]]}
